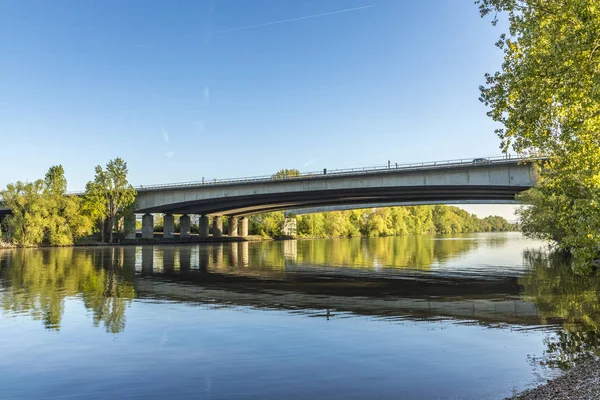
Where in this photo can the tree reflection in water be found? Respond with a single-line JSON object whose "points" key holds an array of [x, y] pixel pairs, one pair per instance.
{"points": [[561, 294], [37, 282]]}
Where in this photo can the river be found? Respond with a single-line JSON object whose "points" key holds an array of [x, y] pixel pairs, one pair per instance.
{"points": [[473, 316]]}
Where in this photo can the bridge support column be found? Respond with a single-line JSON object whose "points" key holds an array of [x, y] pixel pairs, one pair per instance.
{"points": [[232, 225], [218, 226], [289, 227], [168, 226], [203, 226], [129, 226], [147, 226], [243, 227], [185, 222]]}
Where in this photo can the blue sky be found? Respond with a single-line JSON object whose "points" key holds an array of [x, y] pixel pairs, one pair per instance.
{"points": [[190, 89]]}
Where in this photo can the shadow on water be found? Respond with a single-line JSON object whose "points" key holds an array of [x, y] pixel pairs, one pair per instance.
{"points": [[380, 278]]}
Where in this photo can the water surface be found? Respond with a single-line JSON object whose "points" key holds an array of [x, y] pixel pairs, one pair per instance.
{"points": [[466, 317]]}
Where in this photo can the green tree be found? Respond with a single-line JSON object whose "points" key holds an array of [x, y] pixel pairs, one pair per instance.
{"points": [[65, 220], [286, 173], [547, 98], [110, 194], [27, 221]]}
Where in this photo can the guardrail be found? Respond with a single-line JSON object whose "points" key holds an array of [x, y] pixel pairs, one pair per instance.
{"points": [[391, 167]]}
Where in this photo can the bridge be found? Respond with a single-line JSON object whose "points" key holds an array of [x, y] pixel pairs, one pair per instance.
{"points": [[484, 180], [489, 180]]}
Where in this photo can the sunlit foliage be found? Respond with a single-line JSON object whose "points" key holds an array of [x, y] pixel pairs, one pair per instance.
{"points": [[547, 97], [390, 221]]}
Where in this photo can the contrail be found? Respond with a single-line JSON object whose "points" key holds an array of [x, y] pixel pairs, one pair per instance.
{"points": [[283, 21]]}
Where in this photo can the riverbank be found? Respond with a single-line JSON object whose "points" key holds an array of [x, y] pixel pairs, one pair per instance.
{"points": [[580, 383], [156, 240]]}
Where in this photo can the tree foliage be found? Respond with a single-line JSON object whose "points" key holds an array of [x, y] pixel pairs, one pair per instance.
{"points": [[286, 173], [547, 97], [110, 195], [380, 222], [42, 211]]}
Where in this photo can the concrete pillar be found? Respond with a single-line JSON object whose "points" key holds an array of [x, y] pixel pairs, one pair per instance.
{"points": [[168, 226], [243, 227], [129, 226], [218, 226], [147, 260], [232, 225], [203, 226], [289, 227], [148, 226], [185, 222]]}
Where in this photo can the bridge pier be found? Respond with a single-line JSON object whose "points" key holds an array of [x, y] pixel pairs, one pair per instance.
{"points": [[217, 226], [243, 227], [185, 222], [289, 227], [168, 226], [203, 226], [147, 226], [232, 226]]}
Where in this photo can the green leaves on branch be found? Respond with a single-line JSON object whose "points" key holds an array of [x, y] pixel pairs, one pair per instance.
{"points": [[390, 221], [547, 97], [110, 195], [42, 212], [286, 173]]}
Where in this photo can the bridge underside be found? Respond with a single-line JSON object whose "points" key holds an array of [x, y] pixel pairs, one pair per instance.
{"points": [[260, 203]]}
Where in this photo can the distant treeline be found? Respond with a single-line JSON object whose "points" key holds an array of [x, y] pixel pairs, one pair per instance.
{"points": [[391, 221]]}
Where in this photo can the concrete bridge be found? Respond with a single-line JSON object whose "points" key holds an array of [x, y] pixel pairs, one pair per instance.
{"points": [[487, 180], [490, 180]]}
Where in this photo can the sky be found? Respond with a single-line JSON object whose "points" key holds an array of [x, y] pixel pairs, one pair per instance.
{"points": [[228, 88]]}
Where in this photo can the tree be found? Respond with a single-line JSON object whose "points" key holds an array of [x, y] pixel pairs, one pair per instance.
{"points": [[109, 194], [26, 223], [547, 98], [65, 221], [286, 173]]}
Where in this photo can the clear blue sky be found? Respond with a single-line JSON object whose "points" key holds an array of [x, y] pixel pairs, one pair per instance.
{"points": [[190, 89]]}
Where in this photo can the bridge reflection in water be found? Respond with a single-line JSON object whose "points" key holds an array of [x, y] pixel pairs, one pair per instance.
{"points": [[244, 274], [413, 278]]}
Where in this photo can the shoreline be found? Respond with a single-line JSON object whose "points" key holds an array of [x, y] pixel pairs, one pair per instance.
{"points": [[195, 239], [581, 382]]}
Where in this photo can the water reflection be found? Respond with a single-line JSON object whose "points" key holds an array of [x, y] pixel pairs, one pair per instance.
{"points": [[574, 300], [36, 282], [388, 277], [478, 312]]}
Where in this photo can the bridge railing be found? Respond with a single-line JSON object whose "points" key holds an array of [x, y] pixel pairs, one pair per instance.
{"points": [[391, 167]]}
